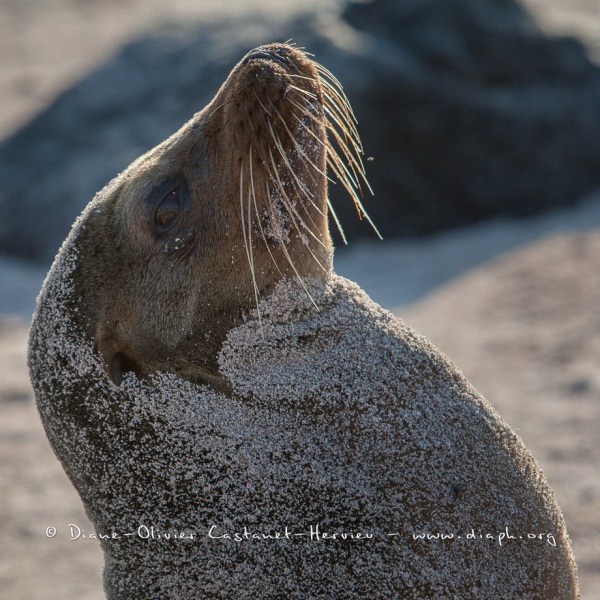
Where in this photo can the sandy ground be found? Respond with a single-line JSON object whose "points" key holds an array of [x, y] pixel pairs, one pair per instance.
{"points": [[524, 327]]}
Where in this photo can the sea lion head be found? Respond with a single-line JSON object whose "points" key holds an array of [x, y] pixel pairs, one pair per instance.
{"points": [[178, 248]]}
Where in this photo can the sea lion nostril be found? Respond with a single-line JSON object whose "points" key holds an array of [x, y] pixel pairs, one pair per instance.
{"points": [[262, 53]]}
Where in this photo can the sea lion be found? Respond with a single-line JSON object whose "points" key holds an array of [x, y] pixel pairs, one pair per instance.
{"points": [[241, 422]]}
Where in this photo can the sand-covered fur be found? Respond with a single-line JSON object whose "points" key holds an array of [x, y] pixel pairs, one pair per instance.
{"points": [[342, 419], [241, 422]]}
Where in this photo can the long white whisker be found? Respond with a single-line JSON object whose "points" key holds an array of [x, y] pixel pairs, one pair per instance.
{"points": [[262, 231], [251, 251], [301, 185], [298, 147], [291, 209]]}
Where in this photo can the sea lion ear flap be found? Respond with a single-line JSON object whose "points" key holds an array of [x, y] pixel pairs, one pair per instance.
{"points": [[116, 363], [115, 368]]}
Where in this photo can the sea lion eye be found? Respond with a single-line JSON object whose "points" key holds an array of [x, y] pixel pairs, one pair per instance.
{"points": [[167, 211]]}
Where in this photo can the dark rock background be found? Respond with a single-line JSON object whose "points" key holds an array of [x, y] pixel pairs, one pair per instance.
{"points": [[466, 107]]}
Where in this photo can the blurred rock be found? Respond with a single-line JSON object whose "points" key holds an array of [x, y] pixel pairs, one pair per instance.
{"points": [[471, 111], [466, 107]]}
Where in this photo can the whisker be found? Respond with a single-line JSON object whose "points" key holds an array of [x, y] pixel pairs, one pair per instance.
{"points": [[283, 161], [284, 194], [346, 124], [338, 224], [262, 231], [259, 101], [216, 109], [357, 202], [299, 277], [332, 96], [289, 203], [311, 79], [329, 75], [285, 198], [355, 163], [247, 242], [298, 147], [339, 97], [305, 92], [332, 155], [356, 147], [350, 180], [301, 185]]}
